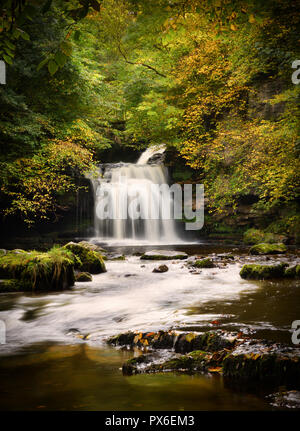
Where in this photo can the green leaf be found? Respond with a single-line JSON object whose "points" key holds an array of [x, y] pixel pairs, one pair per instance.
{"points": [[52, 67], [24, 35], [42, 63], [60, 58], [66, 47], [10, 45], [7, 59], [9, 52]]}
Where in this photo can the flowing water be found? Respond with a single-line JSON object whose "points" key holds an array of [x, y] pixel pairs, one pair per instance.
{"points": [[130, 207], [55, 356]]}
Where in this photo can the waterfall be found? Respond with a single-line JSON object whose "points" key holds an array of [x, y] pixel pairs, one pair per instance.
{"points": [[127, 192]]}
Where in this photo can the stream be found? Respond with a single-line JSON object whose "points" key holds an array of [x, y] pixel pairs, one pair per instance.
{"points": [[55, 356]]}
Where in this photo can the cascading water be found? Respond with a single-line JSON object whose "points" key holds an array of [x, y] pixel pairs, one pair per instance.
{"points": [[123, 190]]}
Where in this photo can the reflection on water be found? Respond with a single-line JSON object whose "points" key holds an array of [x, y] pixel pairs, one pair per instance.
{"points": [[81, 377]]}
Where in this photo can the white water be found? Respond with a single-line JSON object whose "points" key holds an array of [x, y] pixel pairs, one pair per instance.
{"points": [[122, 188], [115, 303]]}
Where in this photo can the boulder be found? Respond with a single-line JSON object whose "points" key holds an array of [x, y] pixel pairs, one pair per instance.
{"points": [[164, 255], [83, 276], [265, 248], [203, 263], [292, 272], [89, 260], [263, 272], [161, 268], [33, 270]]}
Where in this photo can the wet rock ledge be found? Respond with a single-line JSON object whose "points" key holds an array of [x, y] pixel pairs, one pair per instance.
{"points": [[230, 354]]}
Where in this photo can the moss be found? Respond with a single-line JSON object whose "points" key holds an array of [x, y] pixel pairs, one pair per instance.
{"points": [[53, 270], [263, 272], [265, 248], [292, 272], [256, 236], [90, 261], [83, 276], [204, 263]]}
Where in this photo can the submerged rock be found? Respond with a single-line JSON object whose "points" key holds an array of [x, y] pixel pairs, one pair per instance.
{"points": [[115, 256], [161, 268], [204, 263], [285, 399], [265, 248], [164, 255], [83, 276], [89, 260], [263, 272]]}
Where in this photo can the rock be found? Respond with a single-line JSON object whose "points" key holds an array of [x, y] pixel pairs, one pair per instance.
{"points": [[265, 248], [89, 260], [164, 255], [204, 263], [161, 268], [131, 366], [183, 343], [26, 271], [256, 236], [285, 399], [192, 362], [263, 272], [83, 276], [115, 256], [268, 366], [292, 272], [237, 359], [93, 247]]}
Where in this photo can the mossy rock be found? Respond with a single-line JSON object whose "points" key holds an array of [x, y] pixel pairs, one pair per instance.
{"points": [[93, 247], [83, 276], [164, 255], [161, 268], [263, 272], [211, 341], [90, 261], [35, 270], [284, 369], [256, 236], [265, 248], [292, 272], [204, 263]]}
